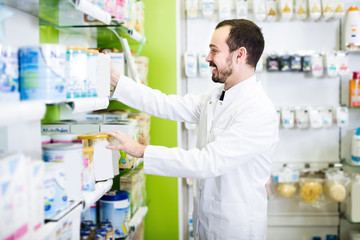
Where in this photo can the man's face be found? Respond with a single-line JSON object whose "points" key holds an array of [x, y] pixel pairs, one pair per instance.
{"points": [[220, 58]]}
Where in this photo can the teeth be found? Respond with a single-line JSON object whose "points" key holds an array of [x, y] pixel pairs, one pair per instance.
{"points": [[212, 68]]}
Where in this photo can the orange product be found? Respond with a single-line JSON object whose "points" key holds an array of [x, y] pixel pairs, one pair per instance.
{"points": [[354, 90]]}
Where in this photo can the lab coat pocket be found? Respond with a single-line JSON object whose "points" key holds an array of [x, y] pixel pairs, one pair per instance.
{"points": [[228, 221]]}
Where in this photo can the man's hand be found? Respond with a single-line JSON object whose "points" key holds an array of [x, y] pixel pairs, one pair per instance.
{"points": [[126, 144]]}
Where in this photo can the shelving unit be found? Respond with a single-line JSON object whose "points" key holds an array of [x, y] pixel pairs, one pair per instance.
{"points": [[23, 119]]}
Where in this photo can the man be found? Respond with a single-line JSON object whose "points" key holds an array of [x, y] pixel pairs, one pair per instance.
{"points": [[237, 134]]}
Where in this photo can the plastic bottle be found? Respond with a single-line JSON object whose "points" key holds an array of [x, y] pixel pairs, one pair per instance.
{"points": [[354, 90], [355, 147], [352, 28]]}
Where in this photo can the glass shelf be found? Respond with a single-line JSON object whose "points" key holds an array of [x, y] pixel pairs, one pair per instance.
{"points": [[343, 216], [347, 163]]}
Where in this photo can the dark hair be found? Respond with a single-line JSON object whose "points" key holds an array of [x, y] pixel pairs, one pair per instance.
{"points": [[245, 33]]}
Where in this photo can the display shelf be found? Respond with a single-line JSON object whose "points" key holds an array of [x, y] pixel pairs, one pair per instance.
{"points": [[345, 162], [61, 214], [82, 104], [89, 198], [138, 217], [21, 112], [303, 219], [50, 229], [343, 216]]}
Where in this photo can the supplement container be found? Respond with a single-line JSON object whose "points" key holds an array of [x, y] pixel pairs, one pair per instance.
{"points": [[89, 216], [71, 155], [42, 72], [115, 207], [354, 90], [355, 147], [103, 166], [9, 74], [88, 174], [64, 138], [55, 195], [45, 139], [92, 61], [76, 71]]}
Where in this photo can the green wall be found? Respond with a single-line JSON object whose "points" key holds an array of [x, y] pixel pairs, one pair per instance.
{"points": [[162, 192]]}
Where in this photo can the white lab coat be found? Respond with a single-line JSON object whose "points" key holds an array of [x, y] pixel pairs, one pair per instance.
{"points": [[236, 138]]}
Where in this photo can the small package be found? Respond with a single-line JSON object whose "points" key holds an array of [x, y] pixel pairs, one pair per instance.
{"points": [[286, 182], [336, 182], [311, 186]]}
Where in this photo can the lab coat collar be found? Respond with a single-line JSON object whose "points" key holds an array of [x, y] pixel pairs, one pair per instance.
{"points": [[240, 90]]}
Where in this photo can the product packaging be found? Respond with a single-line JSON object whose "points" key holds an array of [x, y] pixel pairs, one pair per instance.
{"points": [[342, 116], [314, 9], [190, 60], [241, 9], [311, 187], [302, 117], [336, 182], [286, 181], [354, 90], [103, 161], [317, 66], [287, 117], [259, 10], [271, 10], [208, 8], [286, 9], [328, 9], [192, 7], [355, 147], [301, 9]]}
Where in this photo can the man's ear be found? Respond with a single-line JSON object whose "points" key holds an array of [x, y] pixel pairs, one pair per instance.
{"points": [[241, 54]]}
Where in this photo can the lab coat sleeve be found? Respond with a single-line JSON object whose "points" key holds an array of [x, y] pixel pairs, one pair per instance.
{"points": [[156, 103], [230, 148]]}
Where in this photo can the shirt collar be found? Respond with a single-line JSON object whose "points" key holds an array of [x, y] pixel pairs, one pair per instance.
{"points": [[243, 88]]}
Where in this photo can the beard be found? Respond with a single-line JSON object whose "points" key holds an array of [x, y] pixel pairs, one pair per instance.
{"points": [[222, 73]]}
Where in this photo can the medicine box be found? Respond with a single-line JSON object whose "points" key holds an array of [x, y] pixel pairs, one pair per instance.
{"points": [[55, 127], [84, 127]]}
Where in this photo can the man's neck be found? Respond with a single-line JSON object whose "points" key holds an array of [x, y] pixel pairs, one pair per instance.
{"points": [[237, 78]]}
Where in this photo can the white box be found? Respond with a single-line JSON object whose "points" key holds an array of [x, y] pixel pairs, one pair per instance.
{"points": [[128, 127], [35, 178], [85, 127], [103, 76], [118, 62], [15, 218]]}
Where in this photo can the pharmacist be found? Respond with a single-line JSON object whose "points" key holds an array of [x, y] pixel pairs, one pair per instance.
{"points": [[237, 134]]}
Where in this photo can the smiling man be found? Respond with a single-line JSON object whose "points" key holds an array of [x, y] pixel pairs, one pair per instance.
{"points": [[237, 134]]}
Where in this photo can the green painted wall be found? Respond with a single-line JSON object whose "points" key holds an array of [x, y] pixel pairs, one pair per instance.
{"points": [[162, 192]]}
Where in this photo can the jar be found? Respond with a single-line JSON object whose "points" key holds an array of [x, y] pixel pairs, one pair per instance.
{"points": [[71, 155], [64, 138], [88, 173], [45, 139], [115, 207], [102, 157], [42, 71]]}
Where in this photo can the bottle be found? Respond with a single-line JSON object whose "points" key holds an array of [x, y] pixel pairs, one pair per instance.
{"points": [[352, 28], [355, 147], [354, 90]]}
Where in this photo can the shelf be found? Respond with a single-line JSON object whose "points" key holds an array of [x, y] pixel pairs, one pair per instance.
{"points": [[89, 198], [50, 229], [21, 112], [304, 219], [138, 217], [343, 216], [60, 215], [83, 104], [345, 162]]}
